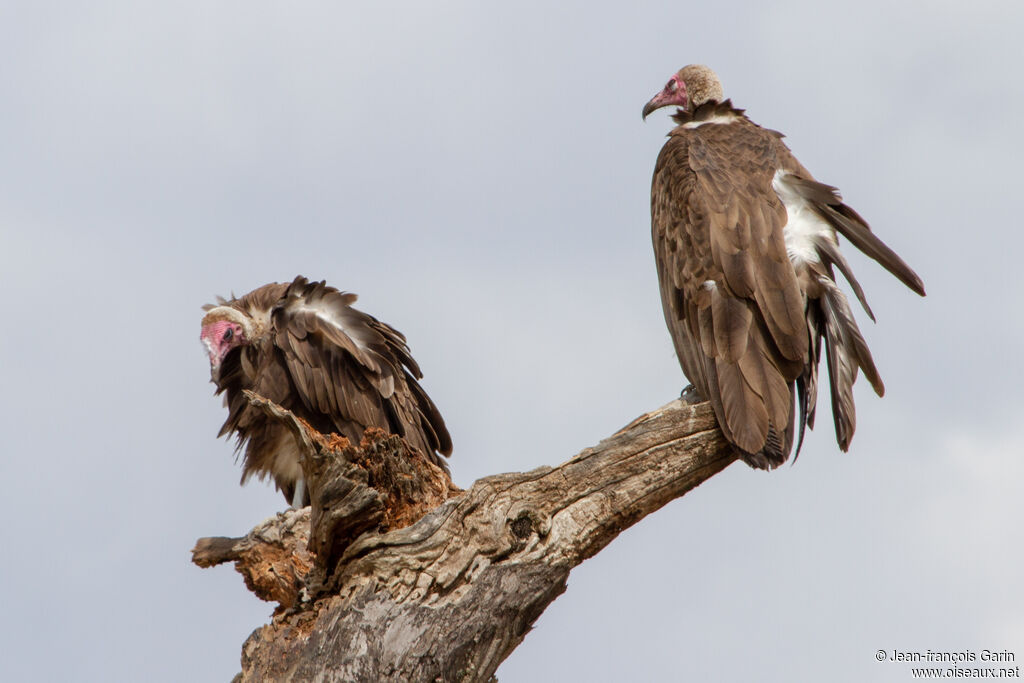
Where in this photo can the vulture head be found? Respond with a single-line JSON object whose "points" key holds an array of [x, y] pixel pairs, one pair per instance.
{"points": [[688, 88], [223, 329]]}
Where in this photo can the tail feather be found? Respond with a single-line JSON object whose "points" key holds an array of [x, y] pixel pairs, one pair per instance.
{"points": [[807, 383], [845, 353], [830, 255]]}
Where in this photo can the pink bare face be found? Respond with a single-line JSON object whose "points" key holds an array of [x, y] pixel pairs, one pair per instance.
{"points": [[220, 337], [674, 92]]}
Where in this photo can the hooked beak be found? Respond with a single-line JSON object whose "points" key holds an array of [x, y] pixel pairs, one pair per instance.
{"points": [[651, 106], [656, 102], [215, 358]]}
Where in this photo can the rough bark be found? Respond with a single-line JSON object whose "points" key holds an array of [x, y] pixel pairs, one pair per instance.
{"points": [[451, 596], [273, 558]]}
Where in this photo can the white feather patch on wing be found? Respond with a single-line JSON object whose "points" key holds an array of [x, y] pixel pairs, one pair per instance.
{"points": [[803, 224], [328, 315]]}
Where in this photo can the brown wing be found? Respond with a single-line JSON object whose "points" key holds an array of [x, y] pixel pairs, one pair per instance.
{"points": [[730, 296], [353, 370]]}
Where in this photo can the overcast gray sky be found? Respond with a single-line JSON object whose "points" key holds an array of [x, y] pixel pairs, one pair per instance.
{"points": [[479, 175]]}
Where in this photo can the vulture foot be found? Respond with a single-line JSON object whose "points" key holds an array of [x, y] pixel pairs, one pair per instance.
{"points": [[690, 395]]}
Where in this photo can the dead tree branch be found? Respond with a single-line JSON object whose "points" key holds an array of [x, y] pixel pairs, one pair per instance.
{"points": [[451, 596]]}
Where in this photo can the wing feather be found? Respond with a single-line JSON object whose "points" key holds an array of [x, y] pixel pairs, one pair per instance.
{"points": [[745, 413], [730, 318]]}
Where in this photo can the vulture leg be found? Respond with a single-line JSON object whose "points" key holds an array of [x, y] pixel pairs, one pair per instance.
{"points": [[298, 500]]}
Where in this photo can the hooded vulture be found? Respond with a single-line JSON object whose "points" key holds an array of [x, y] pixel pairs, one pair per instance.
{"points": [[746, 246], [303, 346]]}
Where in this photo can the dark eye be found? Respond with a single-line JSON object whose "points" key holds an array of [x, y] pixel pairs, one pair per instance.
{"points": [[228, 334], [672, 85]]}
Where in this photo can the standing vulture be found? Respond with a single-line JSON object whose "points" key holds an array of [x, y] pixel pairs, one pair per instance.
{"points": [[303, 346], [746, 249]]}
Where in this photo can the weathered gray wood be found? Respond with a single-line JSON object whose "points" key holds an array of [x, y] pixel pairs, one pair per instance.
{"points": [[451, 596]]}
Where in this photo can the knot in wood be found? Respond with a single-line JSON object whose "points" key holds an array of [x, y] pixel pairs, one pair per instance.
{"points": [[522, 526]]}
